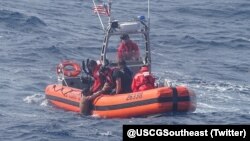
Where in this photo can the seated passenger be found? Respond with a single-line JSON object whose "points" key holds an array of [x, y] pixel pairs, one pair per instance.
{"points": [[122, 78], [94, 71], [85, 103], [127, 50], [107, 85], [143, 80], [117, 80]]}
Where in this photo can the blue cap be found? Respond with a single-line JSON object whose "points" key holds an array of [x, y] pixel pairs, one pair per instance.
{"points": [[141, 18]]}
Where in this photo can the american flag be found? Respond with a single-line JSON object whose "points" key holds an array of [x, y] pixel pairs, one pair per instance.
{"points": [[101, 9]]}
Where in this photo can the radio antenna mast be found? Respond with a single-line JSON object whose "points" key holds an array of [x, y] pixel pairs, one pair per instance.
{"points": [[148, 13]]}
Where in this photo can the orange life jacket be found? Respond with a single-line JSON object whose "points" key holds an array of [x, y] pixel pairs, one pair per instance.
{"points": [[143, 80], [98, 83], [109, 83]]}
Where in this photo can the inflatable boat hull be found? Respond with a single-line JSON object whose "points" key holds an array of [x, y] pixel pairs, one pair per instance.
{"points": [[154, 101]]}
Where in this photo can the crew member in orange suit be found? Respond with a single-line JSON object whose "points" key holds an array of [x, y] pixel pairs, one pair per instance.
{"points": [[128, 49], [143, 80]]}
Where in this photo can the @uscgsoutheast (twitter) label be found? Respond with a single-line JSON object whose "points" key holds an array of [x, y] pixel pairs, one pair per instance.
{"points": [[191, 131]]}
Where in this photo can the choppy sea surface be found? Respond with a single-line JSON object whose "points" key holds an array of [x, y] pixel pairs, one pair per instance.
{"points": [[204, 45]]}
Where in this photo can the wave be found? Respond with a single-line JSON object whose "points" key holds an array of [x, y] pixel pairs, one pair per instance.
{"points": [[238, 43], [179, 78], [36, 99], [219, 10], [220, 86], [107, 133], [52, 49], [188, 39], [20, 21], [242, 14], [204, 12], [219, 90], [5, 84], [34, 21]]}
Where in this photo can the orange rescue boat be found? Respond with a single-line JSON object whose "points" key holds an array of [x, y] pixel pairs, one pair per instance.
{"points": [[68, 92], [149, 102]]}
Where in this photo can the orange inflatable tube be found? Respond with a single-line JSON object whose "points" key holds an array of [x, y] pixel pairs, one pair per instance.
{"points": [[154, 101]]}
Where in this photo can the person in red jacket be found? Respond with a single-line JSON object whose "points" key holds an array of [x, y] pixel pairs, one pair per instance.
{"points": [[103, 84], [89, 94], [143, 80], [127, 50], [94, 68]]}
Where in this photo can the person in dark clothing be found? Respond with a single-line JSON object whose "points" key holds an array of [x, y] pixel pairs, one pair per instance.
{"points": [[119, 80], [122, 78]]}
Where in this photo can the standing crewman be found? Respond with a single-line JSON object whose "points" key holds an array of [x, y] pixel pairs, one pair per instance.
{"points": [[128, 49]]}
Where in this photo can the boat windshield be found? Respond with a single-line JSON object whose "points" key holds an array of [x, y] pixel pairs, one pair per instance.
{"points": [[131, 50]]}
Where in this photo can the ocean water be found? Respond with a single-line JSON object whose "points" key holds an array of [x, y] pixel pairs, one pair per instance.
{"points": [[204, 45]]}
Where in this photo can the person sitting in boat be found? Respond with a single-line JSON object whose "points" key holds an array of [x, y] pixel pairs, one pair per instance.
{"points": [[117, 80], [94, 68], [128, 49], [86, 99], [143, 80], [105, 76], [123, 78]]}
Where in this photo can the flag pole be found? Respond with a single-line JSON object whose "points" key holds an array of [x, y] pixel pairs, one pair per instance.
{"points": [[99, 16]]}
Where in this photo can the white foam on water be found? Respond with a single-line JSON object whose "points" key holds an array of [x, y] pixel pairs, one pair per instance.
{"points": [[36, 99], [44, 103], [95, 116], [206, 108], [108, 133], [245, 39]]}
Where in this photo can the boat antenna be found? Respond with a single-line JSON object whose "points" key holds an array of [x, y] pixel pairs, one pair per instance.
{"points": [[109, 10], [99, 16], [148, 13]]}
